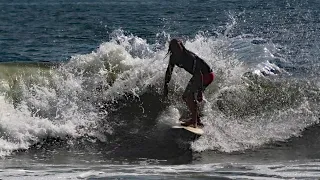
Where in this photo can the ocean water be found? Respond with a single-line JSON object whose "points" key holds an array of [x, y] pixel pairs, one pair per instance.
{"points": [[81, 85]]}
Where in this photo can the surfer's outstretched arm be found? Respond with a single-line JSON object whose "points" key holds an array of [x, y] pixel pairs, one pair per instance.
{"points": [[167, 79]]}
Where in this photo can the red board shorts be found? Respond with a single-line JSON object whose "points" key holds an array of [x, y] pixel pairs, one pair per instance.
{"points": [[195, 86]]}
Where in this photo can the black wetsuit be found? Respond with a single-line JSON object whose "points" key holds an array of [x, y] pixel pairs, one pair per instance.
{"points": [[195, 66], [191, 63]]}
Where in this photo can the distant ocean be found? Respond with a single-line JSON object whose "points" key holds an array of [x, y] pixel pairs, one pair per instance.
{"points": [[81, 84]]}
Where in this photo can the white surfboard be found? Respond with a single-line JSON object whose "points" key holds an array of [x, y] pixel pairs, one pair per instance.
{"points": [[197, 130]]}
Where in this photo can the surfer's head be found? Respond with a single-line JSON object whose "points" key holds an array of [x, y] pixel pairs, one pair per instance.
{"points": [[176, 47]]}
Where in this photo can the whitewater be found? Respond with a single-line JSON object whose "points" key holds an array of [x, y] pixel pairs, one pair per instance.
{"points": [[77, 97]]}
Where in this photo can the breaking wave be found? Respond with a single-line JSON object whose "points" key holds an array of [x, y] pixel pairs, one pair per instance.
{"points": [[115, 92]]}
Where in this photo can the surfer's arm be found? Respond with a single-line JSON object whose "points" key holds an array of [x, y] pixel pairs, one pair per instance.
{"points": [[167, 78]]}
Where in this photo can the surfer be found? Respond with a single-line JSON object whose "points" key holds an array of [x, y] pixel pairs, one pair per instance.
{"points": [[202, 77]]}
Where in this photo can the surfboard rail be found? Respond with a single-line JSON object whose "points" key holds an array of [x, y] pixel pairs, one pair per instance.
{"points": [[197, 130]]}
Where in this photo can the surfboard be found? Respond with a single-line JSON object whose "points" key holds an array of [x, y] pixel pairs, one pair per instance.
{"points": [[197, 130]]}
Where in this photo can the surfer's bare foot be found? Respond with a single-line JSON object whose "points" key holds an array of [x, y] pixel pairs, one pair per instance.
{"points": [[200, 124], [190, 123]]}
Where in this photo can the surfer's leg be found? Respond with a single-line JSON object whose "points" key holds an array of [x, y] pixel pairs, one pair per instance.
{"points": [[199, 99], [189, 98], [193, 108], [207, 79]]}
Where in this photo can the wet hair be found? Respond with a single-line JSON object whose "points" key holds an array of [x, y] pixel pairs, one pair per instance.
{"points": [[174, 42], [177, 43]]}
